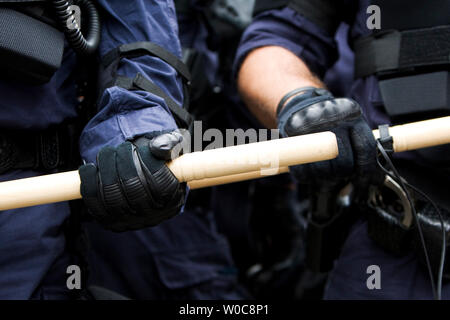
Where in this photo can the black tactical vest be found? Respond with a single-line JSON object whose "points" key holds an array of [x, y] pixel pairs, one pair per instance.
{"points": [[410, 56]]}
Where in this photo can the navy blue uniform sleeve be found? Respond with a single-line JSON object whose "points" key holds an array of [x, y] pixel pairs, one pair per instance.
{"points": [[288, 29], [127, 114]]}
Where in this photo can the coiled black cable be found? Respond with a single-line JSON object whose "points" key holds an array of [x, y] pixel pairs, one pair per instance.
{"points": [[82, 45]]}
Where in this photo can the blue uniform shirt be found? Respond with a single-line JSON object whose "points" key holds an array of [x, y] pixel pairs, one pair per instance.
{"points": [[319, 50], [182, 258], [124, 114], [401, 277], [33, 256]]}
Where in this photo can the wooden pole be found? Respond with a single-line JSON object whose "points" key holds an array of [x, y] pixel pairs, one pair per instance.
{"points": [[412, 136], [227, 165], [263, 157]]}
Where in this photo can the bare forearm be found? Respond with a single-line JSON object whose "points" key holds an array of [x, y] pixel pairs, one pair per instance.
{"points": [[267, 75]]}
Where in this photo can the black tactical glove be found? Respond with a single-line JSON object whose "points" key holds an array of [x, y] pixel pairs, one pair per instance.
{"points": [[316, 110], [131, 187]]}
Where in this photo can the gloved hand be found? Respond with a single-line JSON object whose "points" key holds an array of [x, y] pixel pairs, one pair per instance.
{"points": [[131, 187], [316, 110]]}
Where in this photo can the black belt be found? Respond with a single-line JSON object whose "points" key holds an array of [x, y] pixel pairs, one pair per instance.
{"points": [[46, 151]]}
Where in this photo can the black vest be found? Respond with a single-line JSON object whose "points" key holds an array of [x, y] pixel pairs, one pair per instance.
{"points": [[410, 56]]}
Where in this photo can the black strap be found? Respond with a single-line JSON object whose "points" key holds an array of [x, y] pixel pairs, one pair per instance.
{"points": [[48, 150], [138, 49], [424, 95], [110, 64], [182, 117], [386, 139], [394, 51]]}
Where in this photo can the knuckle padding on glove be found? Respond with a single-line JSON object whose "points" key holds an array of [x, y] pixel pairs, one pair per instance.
{"points": [[316, 111], [321, 115]]}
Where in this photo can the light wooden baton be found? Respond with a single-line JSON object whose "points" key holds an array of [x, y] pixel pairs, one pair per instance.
{"points": [[231, 164], [264, 157], [210, 182], [407, 137]]}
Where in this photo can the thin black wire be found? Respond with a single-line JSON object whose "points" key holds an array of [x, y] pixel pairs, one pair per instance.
{"points": [[436, 287], [444, 238]]}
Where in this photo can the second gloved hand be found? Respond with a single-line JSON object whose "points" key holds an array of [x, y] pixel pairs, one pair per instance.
{"points": [[316, 110], [131, 187]]}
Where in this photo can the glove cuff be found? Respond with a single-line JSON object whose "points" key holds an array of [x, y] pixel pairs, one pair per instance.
{"points": [[291, 94]]}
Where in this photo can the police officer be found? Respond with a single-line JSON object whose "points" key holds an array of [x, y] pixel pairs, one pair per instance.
{"points": [[125, 183], [281, 62], [185, 257]]}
